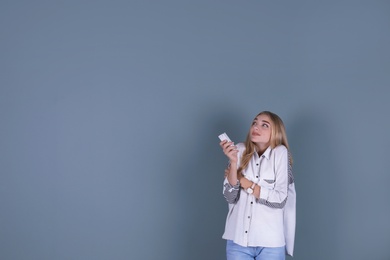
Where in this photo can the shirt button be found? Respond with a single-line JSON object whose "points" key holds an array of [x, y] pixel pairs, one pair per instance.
{"points": [[246, 231], [249, 216], [263, 156], [251, 202], [257, 176], [257, 164]]}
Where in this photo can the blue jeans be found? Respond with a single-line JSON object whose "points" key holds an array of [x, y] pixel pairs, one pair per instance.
{"points": [[237, 252]]}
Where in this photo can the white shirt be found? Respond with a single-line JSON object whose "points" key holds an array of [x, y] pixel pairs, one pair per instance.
{"points": [[270, 220]]}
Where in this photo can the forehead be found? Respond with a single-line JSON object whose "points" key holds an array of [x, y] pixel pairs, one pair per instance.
{"points": [[263, 118]]}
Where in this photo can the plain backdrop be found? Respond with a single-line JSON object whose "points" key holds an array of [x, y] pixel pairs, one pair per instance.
{"points": [[110, 112]]}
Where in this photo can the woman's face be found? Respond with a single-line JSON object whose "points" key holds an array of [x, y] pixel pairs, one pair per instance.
{"points": [[260, 132]]}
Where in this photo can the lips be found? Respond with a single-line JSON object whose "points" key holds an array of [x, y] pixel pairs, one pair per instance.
{"points": [[255, 134]]}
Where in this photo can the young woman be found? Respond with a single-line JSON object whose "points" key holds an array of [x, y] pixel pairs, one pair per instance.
{"points": [[259, 188]]}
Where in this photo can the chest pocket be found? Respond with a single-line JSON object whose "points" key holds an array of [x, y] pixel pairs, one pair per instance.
{"points": [[267, 177]]}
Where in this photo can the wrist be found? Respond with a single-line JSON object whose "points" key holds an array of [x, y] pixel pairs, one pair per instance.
{"points": [[251, 189], [245, 183], [240, 176], [256, 191], [233, 163]]}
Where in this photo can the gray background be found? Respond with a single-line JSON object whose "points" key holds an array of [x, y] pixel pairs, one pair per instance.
{"points": [[110, 112]]}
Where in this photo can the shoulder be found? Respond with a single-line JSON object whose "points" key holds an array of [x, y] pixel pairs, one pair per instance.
{"points": [[280, 150]]}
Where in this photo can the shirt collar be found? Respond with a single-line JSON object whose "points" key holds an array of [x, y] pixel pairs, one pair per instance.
{"points": [[266, 153]]}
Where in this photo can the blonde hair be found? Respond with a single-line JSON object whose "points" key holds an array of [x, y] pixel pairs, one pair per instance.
{"points": [[278, 137]]}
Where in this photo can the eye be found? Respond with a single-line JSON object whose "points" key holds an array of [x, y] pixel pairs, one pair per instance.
{"points": [[254, 123], [265, 125]]}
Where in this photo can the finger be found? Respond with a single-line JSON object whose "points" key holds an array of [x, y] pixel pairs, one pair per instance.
{"points": [[228, 146], [222, 143], [226, 149], [232, 156], [225, 145], [231, 148]]}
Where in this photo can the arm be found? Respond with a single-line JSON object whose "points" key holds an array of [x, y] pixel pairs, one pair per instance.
{"points": [[231, 152], [276, 196], [245, 184], [231, 192], [231, 187]]}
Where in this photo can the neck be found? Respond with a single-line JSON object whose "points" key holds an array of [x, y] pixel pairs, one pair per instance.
{"points": [[261, 148]]}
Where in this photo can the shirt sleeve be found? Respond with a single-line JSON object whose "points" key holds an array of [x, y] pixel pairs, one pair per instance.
{"points": [[275, 194], [231, 192]]}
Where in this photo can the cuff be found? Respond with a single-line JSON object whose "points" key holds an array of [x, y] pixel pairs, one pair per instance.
{"points": [[232, 187], [264, 193]]}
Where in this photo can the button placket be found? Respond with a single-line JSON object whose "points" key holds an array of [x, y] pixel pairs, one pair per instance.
{"points": [[259, 167], [258, 164], [247, 222]]}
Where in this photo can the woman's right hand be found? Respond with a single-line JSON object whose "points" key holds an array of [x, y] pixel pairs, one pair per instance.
{"points": [[230, 150]]}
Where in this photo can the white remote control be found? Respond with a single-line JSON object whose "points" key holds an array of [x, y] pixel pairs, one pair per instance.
{"points": [[224, 137]]}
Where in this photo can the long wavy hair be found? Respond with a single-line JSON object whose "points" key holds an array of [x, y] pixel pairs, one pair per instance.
{"points": [[278, 137]]}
